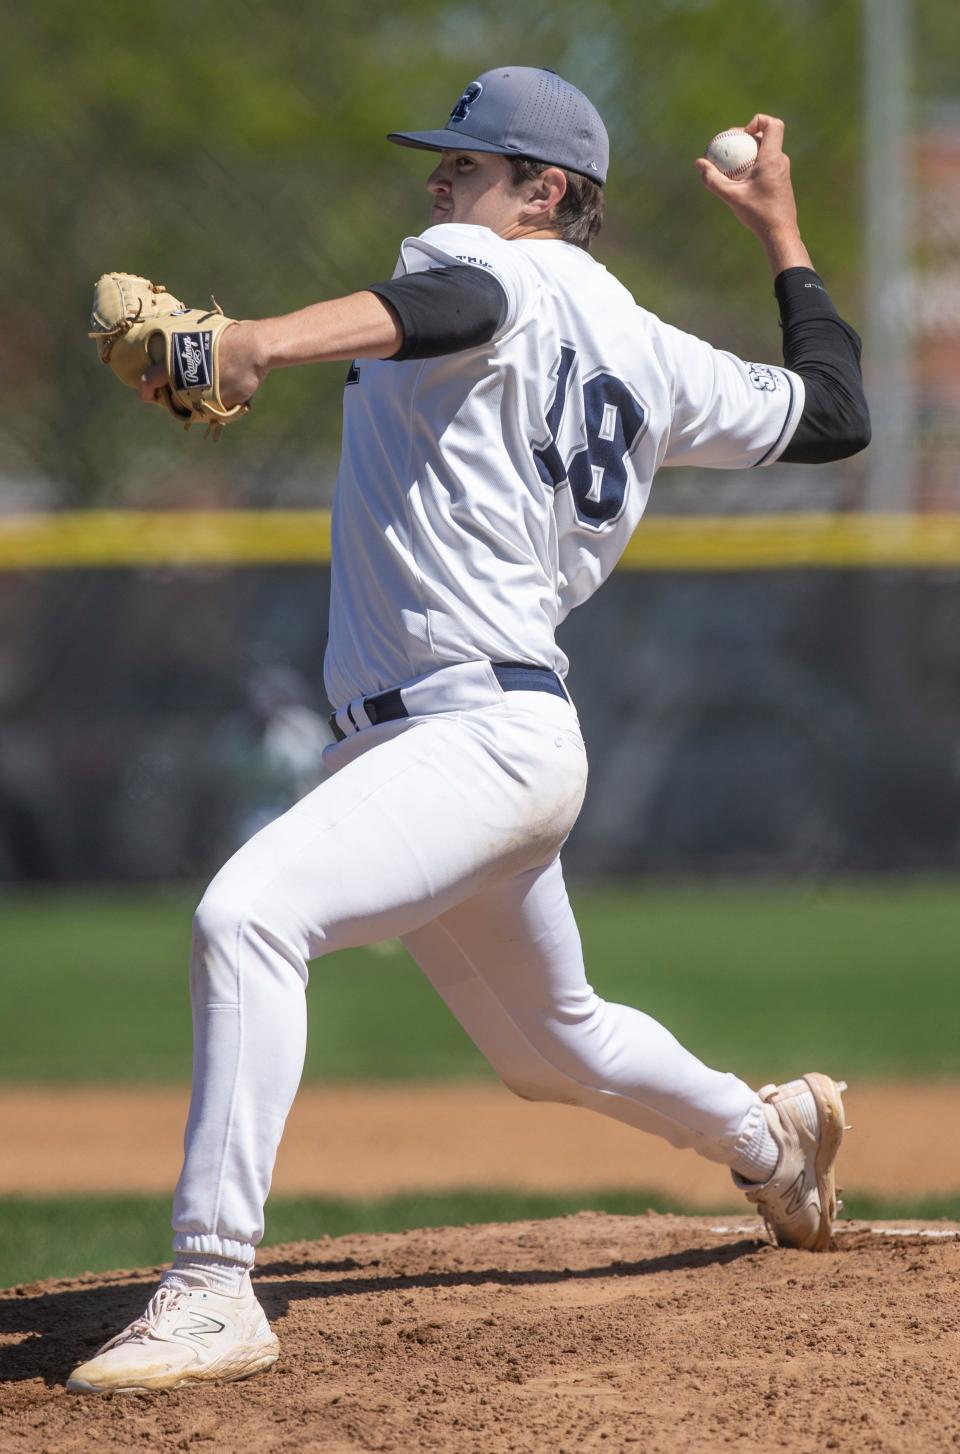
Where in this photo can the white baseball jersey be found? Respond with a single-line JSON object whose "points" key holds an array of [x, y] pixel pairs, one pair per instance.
{"points": [[483, 494]]}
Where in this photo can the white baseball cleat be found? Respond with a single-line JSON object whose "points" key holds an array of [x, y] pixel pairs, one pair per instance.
{"points": [[186, 1335], [799, 1202]]}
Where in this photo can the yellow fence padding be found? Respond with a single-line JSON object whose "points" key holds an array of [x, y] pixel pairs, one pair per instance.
{"points": [[98, 538]]}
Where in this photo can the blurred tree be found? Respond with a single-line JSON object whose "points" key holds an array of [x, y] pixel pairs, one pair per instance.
{"points": [[241, 149]]}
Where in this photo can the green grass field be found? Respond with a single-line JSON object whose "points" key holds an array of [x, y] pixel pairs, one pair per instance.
{"points": [[860, 979]]}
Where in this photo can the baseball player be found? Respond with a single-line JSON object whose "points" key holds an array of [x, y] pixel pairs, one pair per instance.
{"points": [[506, 408]]}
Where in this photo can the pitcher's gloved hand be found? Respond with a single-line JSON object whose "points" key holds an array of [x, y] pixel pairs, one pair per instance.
{"points": [[140, 327]]}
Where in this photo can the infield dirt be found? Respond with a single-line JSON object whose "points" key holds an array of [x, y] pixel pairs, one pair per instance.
{"points": [[347, 1140], [662, 1334]]}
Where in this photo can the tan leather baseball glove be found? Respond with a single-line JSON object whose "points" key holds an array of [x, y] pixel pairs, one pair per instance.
{"points": [[137, 323]]}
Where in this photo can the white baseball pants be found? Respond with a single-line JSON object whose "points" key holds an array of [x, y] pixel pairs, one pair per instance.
{"points": [[443, 829]]}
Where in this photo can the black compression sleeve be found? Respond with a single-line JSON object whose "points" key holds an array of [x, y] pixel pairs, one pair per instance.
{"points": [[825, 352], [444, 310]]}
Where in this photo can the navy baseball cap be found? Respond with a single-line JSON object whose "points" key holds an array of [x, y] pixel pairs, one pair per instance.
{"points": [[522, 111]]}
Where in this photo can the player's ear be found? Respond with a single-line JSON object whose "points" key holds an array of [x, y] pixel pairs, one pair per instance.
{"points": [[545, 191]]}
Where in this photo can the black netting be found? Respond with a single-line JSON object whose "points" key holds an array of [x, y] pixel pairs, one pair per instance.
{"points": [[734, 723]]}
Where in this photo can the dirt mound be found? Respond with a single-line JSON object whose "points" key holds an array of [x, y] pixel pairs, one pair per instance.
{"points": [[585, 1333]]}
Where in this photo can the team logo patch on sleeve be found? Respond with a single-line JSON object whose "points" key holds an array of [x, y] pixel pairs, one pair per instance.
{"points": [[191, 360], [764, 378]]}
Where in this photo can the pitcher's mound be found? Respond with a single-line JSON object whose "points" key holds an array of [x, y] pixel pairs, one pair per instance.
{"points": [[585, 1333]]}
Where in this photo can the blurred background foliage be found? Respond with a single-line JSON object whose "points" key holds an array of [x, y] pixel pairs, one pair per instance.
{"points": [[240, 150]]}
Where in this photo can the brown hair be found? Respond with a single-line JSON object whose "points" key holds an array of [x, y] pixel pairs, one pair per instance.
{"points": [[578, 215]]}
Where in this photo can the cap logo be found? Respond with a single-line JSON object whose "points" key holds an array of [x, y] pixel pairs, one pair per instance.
{"points": [[461, 111]]}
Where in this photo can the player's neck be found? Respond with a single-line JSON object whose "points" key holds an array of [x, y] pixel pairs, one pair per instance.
{"points": [[521, 232]]}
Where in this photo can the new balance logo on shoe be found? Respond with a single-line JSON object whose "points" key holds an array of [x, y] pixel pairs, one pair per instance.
{"points": [[795, 1195], [203, 1327]]}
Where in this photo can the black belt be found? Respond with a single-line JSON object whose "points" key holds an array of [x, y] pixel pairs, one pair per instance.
{"points": [[513, 676]]}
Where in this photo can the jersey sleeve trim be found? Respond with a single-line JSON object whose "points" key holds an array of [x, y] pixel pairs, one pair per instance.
{"points": [[792, 419]]}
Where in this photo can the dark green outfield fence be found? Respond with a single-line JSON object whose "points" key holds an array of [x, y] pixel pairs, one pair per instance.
{"points": [[792, 721]]}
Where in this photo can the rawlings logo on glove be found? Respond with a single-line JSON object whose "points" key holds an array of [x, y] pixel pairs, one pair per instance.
{"points": [[191, 354], [137, 324]]}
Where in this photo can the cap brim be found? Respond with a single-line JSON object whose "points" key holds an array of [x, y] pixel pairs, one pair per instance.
{"points": [[445, 140], [449, 140]]}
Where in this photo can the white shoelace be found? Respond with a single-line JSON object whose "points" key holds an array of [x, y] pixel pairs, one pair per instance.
{"points": [[142, 1329]]}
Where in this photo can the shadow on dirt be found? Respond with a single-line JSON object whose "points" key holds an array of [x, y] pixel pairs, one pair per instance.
{"points": [[56, 1329], [59, 1329], [691, 1257]]}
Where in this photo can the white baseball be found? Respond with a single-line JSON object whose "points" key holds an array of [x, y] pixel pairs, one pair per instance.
{"points": [[733, 152]]}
